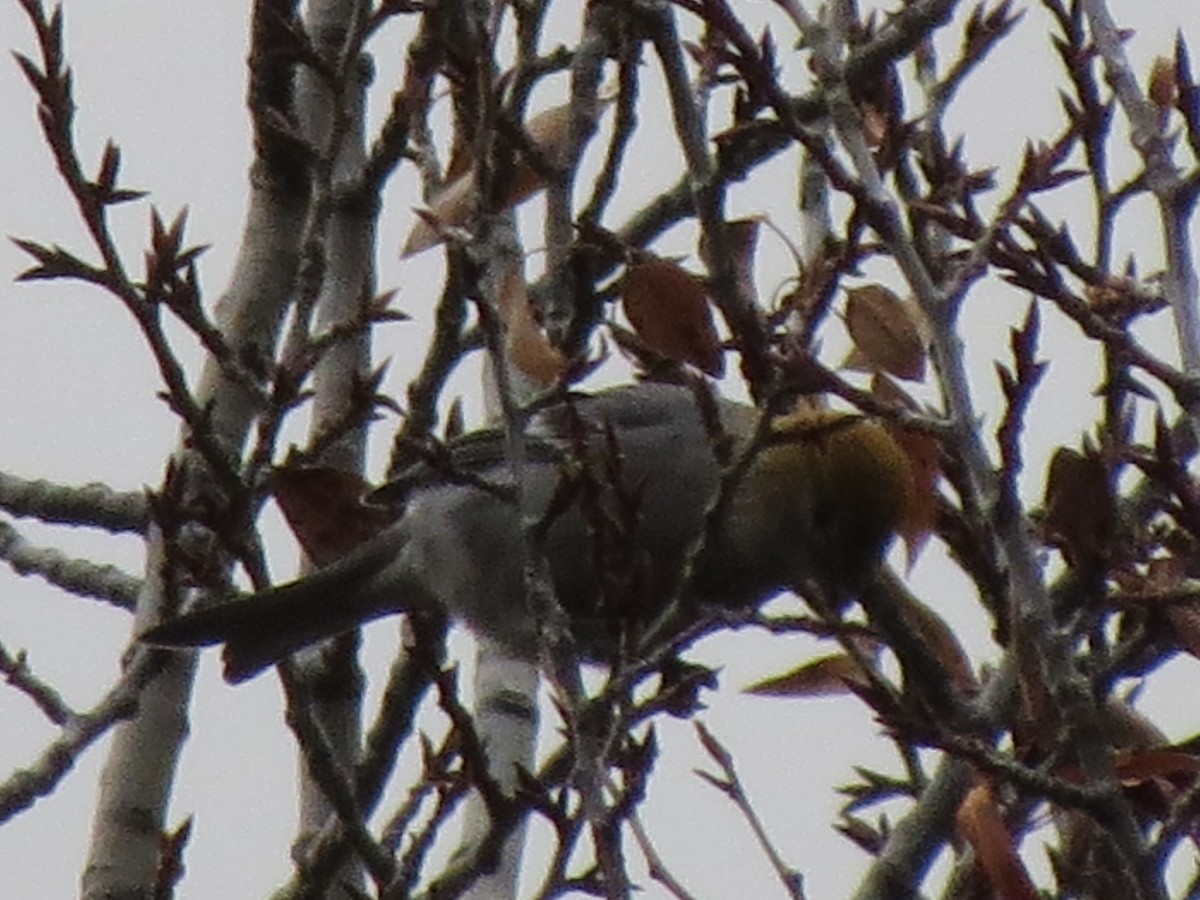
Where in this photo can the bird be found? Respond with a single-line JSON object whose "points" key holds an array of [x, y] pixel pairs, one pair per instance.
{"points": [[639, 499]]}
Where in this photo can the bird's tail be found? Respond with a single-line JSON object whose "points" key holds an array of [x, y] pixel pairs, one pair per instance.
{"points": [[260, 631]]}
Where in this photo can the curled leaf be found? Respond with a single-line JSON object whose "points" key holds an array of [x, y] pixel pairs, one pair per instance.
{"points": [[826, 676], [548, 132], [981, 824], [528, 347]]}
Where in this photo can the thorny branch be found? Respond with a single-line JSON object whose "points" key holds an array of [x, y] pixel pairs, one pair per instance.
{"points": [[897, 188]]}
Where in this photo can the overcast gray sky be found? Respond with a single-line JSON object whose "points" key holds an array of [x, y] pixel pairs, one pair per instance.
{"points": [[165, 79]]}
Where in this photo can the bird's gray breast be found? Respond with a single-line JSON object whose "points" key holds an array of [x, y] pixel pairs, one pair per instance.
{"points": [[612, 523]]}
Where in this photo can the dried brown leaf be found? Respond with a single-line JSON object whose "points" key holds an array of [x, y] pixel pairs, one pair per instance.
{"points": [[528, 347], [448, 211], [920, 512], [452, 207], [325, 509], [981, 824], [886, 332], [669, 309], [1136, 766], [1151, 778], [1080, 507], [1163, 89], [828, 676], [941, 641]]}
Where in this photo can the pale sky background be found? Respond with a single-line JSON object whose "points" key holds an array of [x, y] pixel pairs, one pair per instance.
{"points": [[165, 80]]}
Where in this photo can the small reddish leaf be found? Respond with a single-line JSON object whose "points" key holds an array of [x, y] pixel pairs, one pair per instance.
{"points": [[324, 508], [1135, 766], [669, 309], [920, 512], [1152, 778]]}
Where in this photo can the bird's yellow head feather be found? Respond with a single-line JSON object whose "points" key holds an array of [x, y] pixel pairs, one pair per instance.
{"points": [[828, 491]]}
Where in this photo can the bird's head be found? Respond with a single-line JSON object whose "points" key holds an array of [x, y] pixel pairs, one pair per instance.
{"points": [[824, 496]]}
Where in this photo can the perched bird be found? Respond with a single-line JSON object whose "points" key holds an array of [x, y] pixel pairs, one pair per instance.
{"points": [[615, 489]]}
